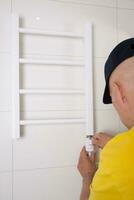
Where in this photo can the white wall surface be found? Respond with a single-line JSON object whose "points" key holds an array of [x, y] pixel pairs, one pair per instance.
{"points": [[42, 164]]}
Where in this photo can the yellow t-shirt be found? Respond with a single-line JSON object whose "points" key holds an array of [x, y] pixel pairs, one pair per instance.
{"points": [[114, 179]]}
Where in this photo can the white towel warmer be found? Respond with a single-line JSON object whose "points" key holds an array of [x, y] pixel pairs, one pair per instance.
{"points": [[16, 91]]}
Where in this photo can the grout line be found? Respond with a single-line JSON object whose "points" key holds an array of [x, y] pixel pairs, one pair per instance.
{"points": [[71, 110], [44, 168], [40, 111], [132, 9], [95, 57], [58, 55], [11, 3], [44, 54], [35, 169], [117, 28], [116, 15], [5, 111], [84, 4], [116, 3], [90, 4], [5, 171], [5, 52]]}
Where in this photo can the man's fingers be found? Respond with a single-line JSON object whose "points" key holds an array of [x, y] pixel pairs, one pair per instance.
{"points": [[83, 153], [83, 150], [98, 135], [93, 156], [96, 142]]}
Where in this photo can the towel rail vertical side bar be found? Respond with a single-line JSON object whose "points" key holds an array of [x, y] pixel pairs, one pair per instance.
{"points": [[15, 78], [89, 80]]}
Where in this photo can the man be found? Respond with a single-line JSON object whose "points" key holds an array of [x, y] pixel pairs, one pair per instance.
{"points": [[114, 178]]}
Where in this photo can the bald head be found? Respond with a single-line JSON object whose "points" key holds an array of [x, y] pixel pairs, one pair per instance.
{"points": [[121, 85], [123, 75]]}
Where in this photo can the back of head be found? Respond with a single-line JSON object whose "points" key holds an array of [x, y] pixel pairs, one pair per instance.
{"points": [[121, 85], [119, 54]]}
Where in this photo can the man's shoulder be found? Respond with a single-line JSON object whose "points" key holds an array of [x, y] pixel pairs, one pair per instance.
{"points": [[115, 168], [119, 147], [122, 139]]}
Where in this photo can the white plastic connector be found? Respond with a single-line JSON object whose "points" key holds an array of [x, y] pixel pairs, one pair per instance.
{"points": [[88, 144]]}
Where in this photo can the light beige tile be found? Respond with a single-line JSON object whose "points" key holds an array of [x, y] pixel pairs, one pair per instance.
{"points": [[91, 2], [125, 28], [52, 102], [122, 127], [5, 82], [126, 4], [56, 114], [56, 183], [5, 17], [53, 77], [50, 46], [67, 17], [107, 121], [5, 186], [5, 142], [48, 146]]}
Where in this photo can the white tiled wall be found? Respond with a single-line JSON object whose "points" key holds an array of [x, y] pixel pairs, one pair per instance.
{"points": [[6, 185], [125, 4], [5, 11], [52, 183], [42, 164], [125, 28]]}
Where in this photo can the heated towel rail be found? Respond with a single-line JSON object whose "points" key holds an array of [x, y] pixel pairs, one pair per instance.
{"points": [[16, 91]]}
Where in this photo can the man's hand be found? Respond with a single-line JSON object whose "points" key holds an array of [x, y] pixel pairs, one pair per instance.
{"points": [[86, 165], [87, 168], [101, 139]]}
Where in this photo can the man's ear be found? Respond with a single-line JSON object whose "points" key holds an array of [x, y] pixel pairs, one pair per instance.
{"points": [[117, 95]]}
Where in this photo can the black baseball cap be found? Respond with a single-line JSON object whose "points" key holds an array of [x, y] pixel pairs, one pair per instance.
{"points": [[121, 52]]}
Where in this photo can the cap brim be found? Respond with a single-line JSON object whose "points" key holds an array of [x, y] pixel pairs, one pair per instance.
{"points": [[106, 97]]}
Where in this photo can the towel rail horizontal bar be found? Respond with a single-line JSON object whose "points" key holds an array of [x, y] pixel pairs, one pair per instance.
{"points": [[52, 121], [50, 91], [50, 62], [50, 33]]}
